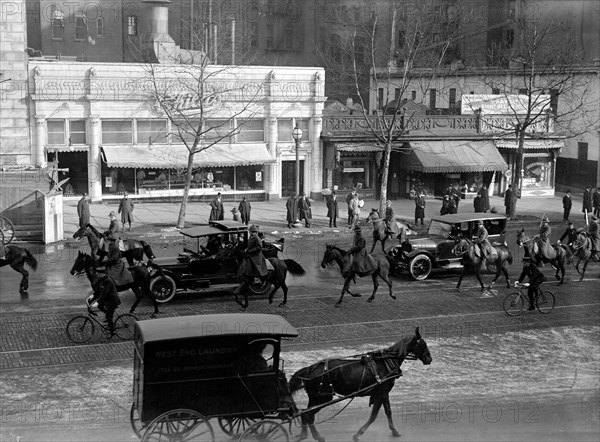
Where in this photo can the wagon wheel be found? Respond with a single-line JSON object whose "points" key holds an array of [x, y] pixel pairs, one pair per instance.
{"points": [[136, 423], [259, 287], [8, 230], [265, 431], [232, 426], [180, 425]]}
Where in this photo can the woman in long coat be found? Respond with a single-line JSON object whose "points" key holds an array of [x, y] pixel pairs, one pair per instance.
{"points": [[420, 207], [83, 210]]}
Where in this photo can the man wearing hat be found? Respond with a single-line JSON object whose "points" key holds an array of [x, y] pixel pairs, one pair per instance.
{"points": [[304, 209], [546, 251], [115, 267], [362, 262], [255, 264], [216, 209], [115, 225], [107, 297], [570, 234], [481, 239], [391, 228], [126, 211], [83, 210], [292, 212]]}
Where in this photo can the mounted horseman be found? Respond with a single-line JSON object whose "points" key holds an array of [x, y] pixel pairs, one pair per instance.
{"points": [[361, 261], [487, 252], [544, 249], [115, 267]]}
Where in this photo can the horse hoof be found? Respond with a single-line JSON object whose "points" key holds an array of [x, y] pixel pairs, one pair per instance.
{"points": [[270, 300], [396, 434], [355, 295], [153, 315], [370, 299], [24, 293], [393, 297], [337, 304], [282, 304]]}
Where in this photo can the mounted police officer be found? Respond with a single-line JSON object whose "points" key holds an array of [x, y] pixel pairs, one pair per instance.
{"points": [[254, 264], [362, 261], [481, 239], [546, 251], [115, 267]]}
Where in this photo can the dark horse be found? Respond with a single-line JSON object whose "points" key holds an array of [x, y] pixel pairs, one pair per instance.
{"points": [[471, 261], [134, 249], [563, 254], [17, 257], [342, 258], [372, 374], [276, 277], [379, 229], [582, 250], [139, 286]]}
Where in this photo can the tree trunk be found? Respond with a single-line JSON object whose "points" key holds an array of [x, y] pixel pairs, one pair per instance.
{"points": [[518, 179], [384, 177], [186, 190]]}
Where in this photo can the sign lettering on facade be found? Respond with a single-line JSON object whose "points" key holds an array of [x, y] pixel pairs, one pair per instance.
{"points": [[504, 104]]}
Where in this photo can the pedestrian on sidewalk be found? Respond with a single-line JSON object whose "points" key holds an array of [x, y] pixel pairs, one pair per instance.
{"points": [[83, 210], [455, 196], [596, 201], [245, 209], [508, 199], [587, 203], [567, 204], [594, 234], [395, 187], [391, 228], [478, 204], [485, 198], [304, 210], [420, 207], [354, 210], [236, 215], [332, 208], [291, 207], [216, 209], [126, 211], [349, 198]]}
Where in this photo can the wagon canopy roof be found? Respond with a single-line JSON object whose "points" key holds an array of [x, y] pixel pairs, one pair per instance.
{"points": [[214, 228], [463, 218], [229, 324]]}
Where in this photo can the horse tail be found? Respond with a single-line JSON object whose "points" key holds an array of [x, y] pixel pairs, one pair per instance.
{"points": [[294, 267], [297, 381], [30, 260], [147, 250]]}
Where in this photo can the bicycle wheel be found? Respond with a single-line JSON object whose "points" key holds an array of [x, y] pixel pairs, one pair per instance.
{"points": [[513, 304], [80, 329], [8, 230], [124, 326], [545, 302]]}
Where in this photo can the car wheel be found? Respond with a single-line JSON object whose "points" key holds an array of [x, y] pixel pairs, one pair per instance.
{"points": [[163, 288], [259, 288], [420, 267]]}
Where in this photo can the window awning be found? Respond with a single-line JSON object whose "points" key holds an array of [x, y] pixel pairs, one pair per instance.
{"points": [[454, 157], [531, 144], [358, 147], [160, 156], [72, 148]]}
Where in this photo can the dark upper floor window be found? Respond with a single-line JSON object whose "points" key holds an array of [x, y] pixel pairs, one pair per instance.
{"points": [[80, 28], [380, 98], [554, 101], [132, 25], [432, 98], [582, 155], [55, 132], [413, 95], [253, 34], [99, 27], [452, 98], [522, 91], [77, 132], [58, 25]]}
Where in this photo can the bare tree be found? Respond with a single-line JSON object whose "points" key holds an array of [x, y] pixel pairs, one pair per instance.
{"points": [[400, 49], [539, 71]]}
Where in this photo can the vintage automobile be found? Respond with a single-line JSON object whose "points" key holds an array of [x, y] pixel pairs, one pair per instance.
{"points": [[212, 263], [421, 255]]}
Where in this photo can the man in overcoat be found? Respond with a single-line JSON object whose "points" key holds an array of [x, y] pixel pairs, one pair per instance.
{"points": [[216, 209], [420, 207], [508, 199], [361, 260], [587, 203], [245, 209], [126, 211], [349, 198], [291, 207], [304, 209], [332, 208], [567, 204], [543, 239], [254, 264], [115, 267], [481, 238], [115, 225], [83, 210], [594, 234], [596, 201]]}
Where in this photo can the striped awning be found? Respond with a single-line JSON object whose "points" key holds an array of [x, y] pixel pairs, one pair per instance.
{"points": [[454, 157], [358, 147], [158, 156], [72, 148], [530, 144]]}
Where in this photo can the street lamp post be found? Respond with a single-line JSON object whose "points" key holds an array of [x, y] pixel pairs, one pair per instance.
{"points": [[297, 136]]}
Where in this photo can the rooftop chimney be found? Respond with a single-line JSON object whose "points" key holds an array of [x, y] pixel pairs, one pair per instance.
{"points": [[161, 43]]}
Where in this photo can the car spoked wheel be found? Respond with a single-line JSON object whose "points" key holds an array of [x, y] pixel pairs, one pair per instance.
{"points": [[163, 288], [420, 267], [259, 287]]}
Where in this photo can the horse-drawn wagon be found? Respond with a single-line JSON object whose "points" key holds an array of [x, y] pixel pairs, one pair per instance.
{"points": [[189, 370]]}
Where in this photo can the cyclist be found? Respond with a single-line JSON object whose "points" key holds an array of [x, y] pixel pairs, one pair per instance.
{"points": [[106, 298], [536, 277]]}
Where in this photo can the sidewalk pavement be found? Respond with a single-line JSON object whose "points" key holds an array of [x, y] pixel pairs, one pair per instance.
{"points": [[161, 217]]}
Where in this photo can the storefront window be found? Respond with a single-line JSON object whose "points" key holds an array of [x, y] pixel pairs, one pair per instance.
{"points": [[251, 131], [357, 172], [537, 172], [56, 132], [117, 132], [151, 131], [249, 178], [77, 133], [218, 131]]}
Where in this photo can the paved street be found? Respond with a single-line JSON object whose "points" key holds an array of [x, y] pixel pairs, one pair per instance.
{"points": [[470, 336]]}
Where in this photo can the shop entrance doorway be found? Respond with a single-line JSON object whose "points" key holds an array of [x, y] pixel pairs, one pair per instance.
{"points": [[76, 163]]}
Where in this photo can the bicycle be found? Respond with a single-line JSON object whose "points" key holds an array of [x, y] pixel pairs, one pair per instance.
{"points": [[81, 328], [7, 230], [515, 302]]}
